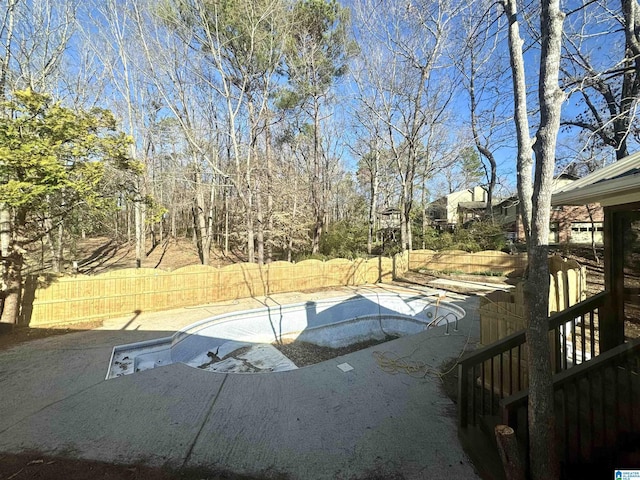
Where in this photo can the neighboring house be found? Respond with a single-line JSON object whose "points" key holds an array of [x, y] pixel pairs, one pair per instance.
{"points": [[457, 208], [568, 223], [389, 226], [389, 218]]}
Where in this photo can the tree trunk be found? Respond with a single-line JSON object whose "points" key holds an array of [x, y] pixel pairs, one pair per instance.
{"points": [[13, 286], [405, 217], [318, 181], [483, 149], [8, 34], [317, 233], [48, 240], [226, 222], [375, 181], [535, 201], [139, 227], [524, 160], [409, 231], [139, 222], [269, 172], [5, 230], [491, 186], [425, 220], [251, 246], [128, 207], [509, 453], [542, 438], [57, 249], [259, 229], [293, 219], [209, 229], [542, 435], [200, 222], [5, 248], [13, 260]]}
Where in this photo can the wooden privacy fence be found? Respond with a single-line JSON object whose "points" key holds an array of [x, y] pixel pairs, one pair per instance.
{"points": [[464, 262], [51, 300], [54, 300], [503, 314]]}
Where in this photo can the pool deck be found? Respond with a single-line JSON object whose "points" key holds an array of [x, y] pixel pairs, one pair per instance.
{"points": [[316, 422]]}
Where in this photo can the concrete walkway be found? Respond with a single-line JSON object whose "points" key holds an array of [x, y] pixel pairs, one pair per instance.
{"points": [[316, 422]]}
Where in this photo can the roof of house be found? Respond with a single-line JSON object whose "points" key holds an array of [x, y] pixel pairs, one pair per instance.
{"points": [[389, 211], [506, 202], [615, 184], [472, 205]]}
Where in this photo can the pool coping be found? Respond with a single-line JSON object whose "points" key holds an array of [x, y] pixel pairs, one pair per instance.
{"points": [[394, 313]]}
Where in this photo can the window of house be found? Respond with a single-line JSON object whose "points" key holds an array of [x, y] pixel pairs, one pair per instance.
{"points": [[585, 232]]}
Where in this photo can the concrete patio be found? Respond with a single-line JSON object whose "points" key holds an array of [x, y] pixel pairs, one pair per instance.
{"points": [[316, 422]]}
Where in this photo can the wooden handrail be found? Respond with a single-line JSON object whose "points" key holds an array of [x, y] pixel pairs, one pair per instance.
{"points": [[518, 338], [594, 418], [585, 306], [469, 362], [560, 379], [496, 348]]}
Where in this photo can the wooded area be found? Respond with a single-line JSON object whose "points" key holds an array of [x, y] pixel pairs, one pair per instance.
{"points": [[261, 126]]}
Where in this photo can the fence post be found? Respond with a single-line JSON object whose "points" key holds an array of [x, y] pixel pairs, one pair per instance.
{"points": [[463, 396]]}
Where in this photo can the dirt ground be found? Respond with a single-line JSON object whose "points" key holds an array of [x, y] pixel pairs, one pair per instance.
{"points": [[101, 254]]}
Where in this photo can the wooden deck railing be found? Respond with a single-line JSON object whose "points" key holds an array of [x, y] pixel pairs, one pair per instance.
{"points": [[497, 371], [596, 412]]}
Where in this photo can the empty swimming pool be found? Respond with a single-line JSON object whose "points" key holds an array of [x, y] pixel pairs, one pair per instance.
{"points": [[243, 342]]}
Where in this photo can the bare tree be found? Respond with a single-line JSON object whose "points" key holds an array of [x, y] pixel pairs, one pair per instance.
{"points": [[182, 79], [606, 88], [115, 46], [317, 54], [536, 191], [42, 31], [483, 75], [402, 51], [236, 51], [369, 171]]}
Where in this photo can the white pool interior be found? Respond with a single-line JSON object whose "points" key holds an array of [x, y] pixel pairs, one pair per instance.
{"points": [[242, 342]]}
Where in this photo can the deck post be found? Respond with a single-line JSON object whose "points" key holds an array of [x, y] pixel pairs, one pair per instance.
{"points": [[611, 321], [463, 396]]}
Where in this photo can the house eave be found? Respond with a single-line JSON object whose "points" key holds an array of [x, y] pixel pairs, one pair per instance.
{"points": [[615, 191], [615, 184]]}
